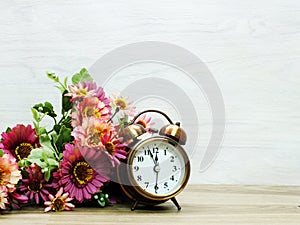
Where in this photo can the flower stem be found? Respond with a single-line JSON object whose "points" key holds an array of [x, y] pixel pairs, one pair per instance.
{"points": [[115, 113]]}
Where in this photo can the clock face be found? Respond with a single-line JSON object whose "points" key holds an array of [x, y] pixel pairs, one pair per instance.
{"points": [[159, 166]]}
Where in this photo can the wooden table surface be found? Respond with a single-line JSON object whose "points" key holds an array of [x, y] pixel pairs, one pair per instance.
{"points": [[201, 204]]}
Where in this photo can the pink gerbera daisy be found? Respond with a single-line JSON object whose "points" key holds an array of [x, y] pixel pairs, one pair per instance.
{"points": [[145, 122], [20, 141], [87, 89], [83, 171], [90, 107], [34, 185], [9, 172], [91, 131], [59, 203], [125, 107], [114, 146]]}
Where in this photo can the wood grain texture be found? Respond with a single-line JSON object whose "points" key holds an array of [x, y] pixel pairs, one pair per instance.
{"points": [[201, 204], [252, 47]]}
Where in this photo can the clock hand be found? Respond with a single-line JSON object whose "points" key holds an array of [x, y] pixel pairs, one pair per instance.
{"points": [[156, 159], [156, 186], [151, 155]]}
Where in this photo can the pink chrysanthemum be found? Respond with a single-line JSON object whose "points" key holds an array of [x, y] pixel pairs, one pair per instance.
{"points": [[3, 197], [20, 141], [125, 107], [35, 186], [145, 122], [83, 171], [9, 172], [60, 202], [90, 107], [87, 89], [91, 131], [114, 146]]}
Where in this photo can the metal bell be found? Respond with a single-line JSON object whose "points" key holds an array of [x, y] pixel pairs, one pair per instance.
{"points": [[175, 132], [131, 132]]}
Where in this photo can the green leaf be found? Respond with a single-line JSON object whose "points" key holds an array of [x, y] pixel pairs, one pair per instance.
{"points": [[44, 157], [1, 153], [8, 130], [63, 138], [46, 108], [66, 81], [83, 75], [66, 102], [52, 76], [36, 115]]}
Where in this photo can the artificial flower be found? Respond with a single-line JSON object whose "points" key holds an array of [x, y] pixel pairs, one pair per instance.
{"points": [[91, 131], [20, 141], [145, 122], [3, 197], [90, 107], [16, 200], [87, 89], [83, 171], [60, 202], [9, 172], [113, 146], [123, 105], [34, 185]]}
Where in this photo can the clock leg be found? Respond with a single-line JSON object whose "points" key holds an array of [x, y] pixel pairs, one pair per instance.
{"points": [[176, 203], [134, 205]]}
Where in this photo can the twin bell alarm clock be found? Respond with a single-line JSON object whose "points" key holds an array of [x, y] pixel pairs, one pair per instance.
{"points": [[157, 168]]}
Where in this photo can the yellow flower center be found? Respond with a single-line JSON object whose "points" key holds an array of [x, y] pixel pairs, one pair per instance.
{"points": [[2, 177], [91, 111], [58, 204], [35, 186], [142, 122], [82, 92], [83, 172], [121, 103], [23, 150], [110, 147]]}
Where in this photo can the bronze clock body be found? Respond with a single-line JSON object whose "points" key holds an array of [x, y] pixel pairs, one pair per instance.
{"points": [[157, 168]]}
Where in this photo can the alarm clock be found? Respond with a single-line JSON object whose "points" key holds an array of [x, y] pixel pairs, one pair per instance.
{"points": [[157, 168]]}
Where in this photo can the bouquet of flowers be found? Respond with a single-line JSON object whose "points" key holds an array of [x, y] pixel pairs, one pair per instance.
{"points": [[73, 161]]}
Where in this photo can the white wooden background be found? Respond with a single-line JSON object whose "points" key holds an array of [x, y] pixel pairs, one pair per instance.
{"points": [[252, 47]]}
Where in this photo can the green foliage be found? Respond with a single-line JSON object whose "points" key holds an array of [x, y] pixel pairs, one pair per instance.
{"points": [[83, 75], [1, 153], [45, 158], [52, 76], [66, 102], [102, 199], [46, 108], [63, 138], [8, 130]]}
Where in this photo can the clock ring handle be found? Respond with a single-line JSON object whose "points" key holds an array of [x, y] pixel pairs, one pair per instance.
{"points": [[151, 110]]}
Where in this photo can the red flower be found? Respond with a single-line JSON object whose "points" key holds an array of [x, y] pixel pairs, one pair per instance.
{"points": [[35, 186], [20, 141]]}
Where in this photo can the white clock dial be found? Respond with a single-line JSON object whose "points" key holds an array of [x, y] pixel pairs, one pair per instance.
{"points": [[158, 167]]}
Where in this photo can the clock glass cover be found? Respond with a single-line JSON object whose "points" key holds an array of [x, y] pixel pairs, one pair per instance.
{"points": [[158, 166]]}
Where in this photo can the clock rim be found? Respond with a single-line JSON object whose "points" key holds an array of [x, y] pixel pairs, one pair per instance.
{"points": [[136, 185]]}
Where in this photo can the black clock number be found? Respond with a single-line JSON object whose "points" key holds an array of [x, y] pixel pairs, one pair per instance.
{"points": [[174, 168], [155, 150], [147, 184], [140, 159], [172, 158], [166, 185], [139, 178], [172, 178], [136, 168]]}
